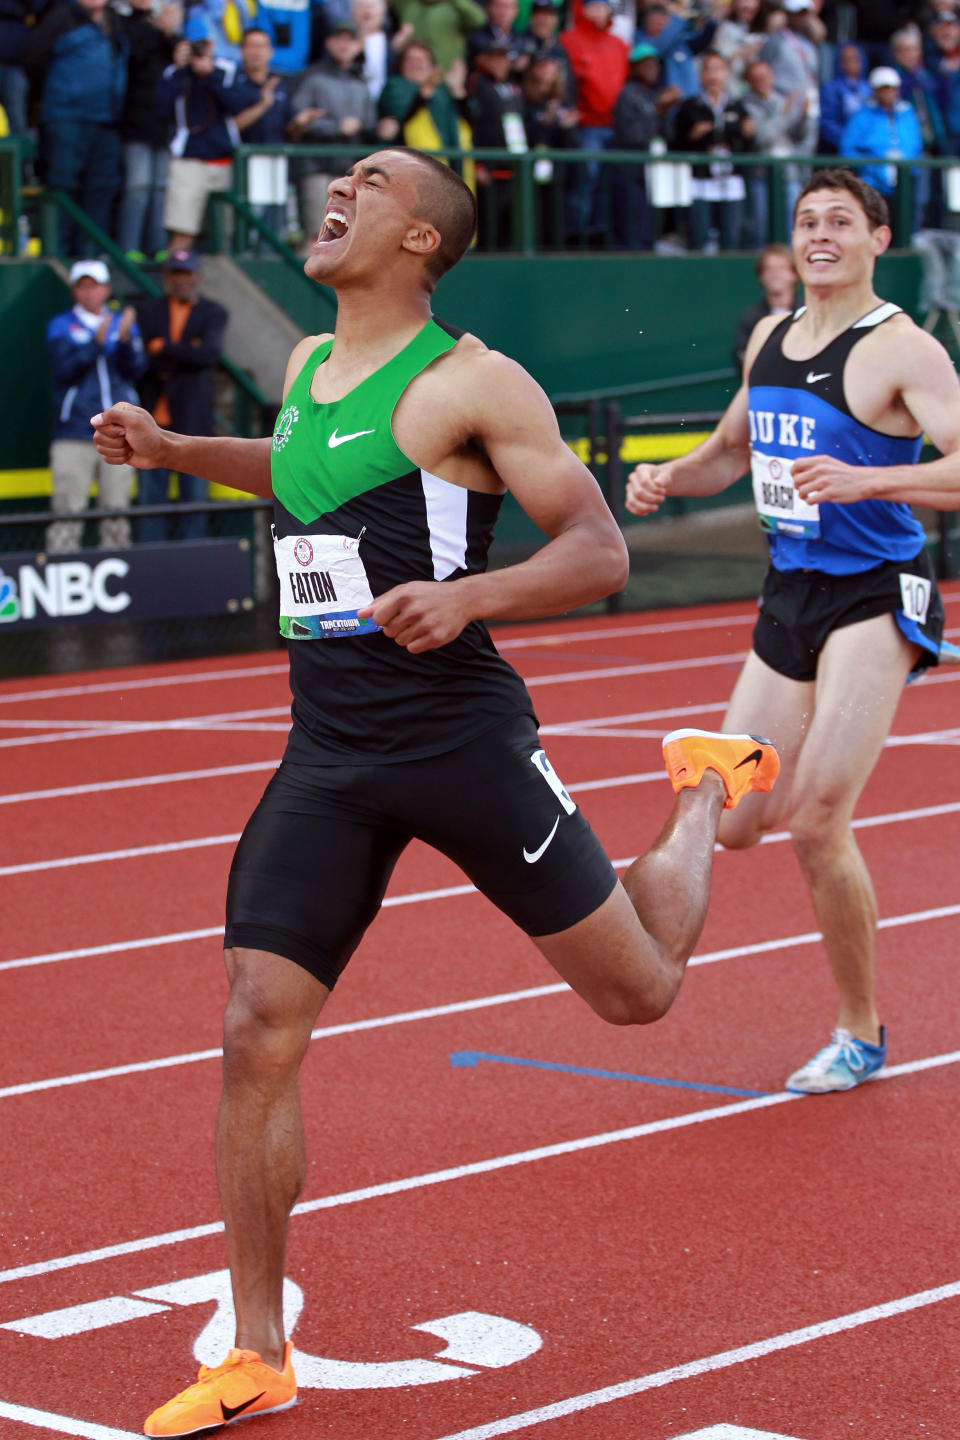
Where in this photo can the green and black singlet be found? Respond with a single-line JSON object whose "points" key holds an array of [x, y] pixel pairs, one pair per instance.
{"points": [[353, 517]]}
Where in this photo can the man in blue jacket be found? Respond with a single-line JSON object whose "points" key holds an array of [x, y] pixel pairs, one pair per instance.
{"points": [[78, 55], [887, 127], [95, 356]]}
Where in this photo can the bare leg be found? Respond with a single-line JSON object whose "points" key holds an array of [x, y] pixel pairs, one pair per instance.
{"points": [[860, 680], [627, 959], [271, 1011]]}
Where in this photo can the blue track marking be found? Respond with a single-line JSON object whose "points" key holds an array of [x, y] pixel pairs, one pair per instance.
{"points": [[474, 1057]]}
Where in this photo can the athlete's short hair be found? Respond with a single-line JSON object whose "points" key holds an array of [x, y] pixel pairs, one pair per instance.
{"points": [[871, 201], [449, 205]]}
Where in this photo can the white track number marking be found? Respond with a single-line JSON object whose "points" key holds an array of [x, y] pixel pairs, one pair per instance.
{"points": [[734, 1432], [915, 593], [472, 1338], [543, 766]]}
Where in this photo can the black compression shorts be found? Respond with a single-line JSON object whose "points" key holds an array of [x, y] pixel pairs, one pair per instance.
{"points": [[313, 863], [800, 608]]}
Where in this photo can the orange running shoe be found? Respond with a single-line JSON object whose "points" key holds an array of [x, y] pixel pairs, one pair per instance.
{"points": [[744, 762], [239, 1387]]}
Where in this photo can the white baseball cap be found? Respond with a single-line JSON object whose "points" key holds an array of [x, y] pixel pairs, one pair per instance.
{"points": [[883, 75], [793, 7], [92, 269]]}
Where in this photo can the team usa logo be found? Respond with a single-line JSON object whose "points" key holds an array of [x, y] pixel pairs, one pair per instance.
{"points": [[303, 551], [285, 423]]}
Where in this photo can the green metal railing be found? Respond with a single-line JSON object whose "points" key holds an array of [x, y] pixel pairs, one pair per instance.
{"points": [[539, 210]]}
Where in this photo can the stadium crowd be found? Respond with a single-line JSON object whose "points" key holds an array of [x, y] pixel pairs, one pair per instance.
{"points": [[138, 105]]}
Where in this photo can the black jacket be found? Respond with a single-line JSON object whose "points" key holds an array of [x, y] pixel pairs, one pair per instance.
{"points": [[150, 53], [727, 135], [183, 372]]}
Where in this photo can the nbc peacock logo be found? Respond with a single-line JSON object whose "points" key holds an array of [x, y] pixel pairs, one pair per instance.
{"points": [[9, 602]]}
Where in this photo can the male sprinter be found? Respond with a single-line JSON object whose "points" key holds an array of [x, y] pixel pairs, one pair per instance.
{"points": [[835, 400], [389, 459]]}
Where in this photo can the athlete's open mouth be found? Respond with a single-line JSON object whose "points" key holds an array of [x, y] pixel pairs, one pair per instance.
{"points": [[335, 226], [822, 255]]}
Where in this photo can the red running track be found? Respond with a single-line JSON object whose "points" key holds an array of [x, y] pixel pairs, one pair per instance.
{"points": [[591, 1256]]}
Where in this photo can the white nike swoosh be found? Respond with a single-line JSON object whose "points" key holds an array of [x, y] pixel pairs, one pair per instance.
{"points": [[532, 859], [336, 439], [812, 379]]}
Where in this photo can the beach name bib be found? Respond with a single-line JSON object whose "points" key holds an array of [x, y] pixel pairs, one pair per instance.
{"points": [[780, 508], [323, 584]]}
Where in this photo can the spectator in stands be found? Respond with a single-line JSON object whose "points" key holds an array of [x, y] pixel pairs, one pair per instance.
{"points": [[15, 16], [716, 124], [224, 22], [777, 274], [183, 335], [678, 42], [442, 24], [551, 124], [876, 20], [149, 34], [78, 55], [495, 112], [887, 128], [600, 62], [842, 97], [920, 88], [290, 25], [196, 95], [331, 102], [499, 31], [791, 52], [738, 41], [416, 107], [96, 356], [264, 120], [380, 48], [945, 66], [541, 41], [780, 125], [640, 117]]}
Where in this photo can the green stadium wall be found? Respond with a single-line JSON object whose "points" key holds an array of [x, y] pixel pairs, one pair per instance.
{"points": [[575, 322]]}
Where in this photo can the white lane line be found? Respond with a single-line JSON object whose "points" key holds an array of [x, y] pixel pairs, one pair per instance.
{"points": [[560, 637], [605, 632], [63, 1424], [460, 1172], [867, 822], [787, 1340], [404, 1017], [96, 858], [136, 782]]}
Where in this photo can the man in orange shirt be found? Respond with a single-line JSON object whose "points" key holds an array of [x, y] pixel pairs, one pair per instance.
{"points": [[182, 333]]}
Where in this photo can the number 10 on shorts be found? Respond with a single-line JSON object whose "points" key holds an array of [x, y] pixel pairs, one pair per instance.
{"points": [[915, 592], [539, 759]]}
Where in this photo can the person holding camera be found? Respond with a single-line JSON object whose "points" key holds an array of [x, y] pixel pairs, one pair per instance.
{"points": [[150, 31], [197, 94]]}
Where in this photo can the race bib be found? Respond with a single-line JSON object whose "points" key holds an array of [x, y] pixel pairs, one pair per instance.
{"points": [[322, 586], [779, 506], [915, 593]]}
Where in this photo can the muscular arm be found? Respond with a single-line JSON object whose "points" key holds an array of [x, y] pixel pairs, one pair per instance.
{"points": [[584, 559], [129, 435], [918, 369], [717, 462]]}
